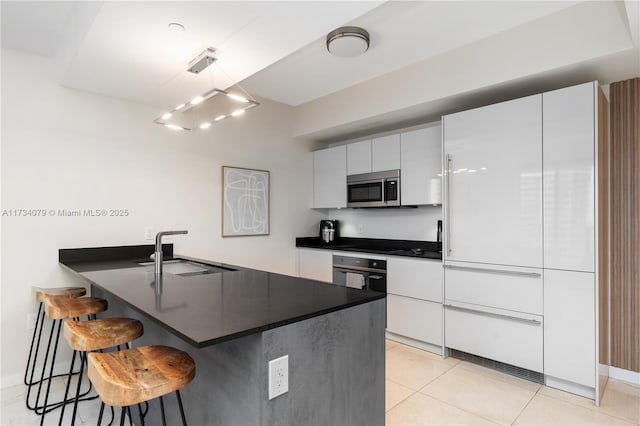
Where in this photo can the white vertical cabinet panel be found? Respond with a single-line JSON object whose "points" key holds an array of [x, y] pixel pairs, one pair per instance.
{"points": [[568, 178], [417, 278], [359, 157], [385, 153], [570, 326], [494, 210], [330, 177], [421, 166], [416, 319], [315, 264]]}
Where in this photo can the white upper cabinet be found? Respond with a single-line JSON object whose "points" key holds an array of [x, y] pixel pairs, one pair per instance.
{"points": [[359, 157], [493, 159], [568, 176], [421, 166], [385, 153], [330, 177]]}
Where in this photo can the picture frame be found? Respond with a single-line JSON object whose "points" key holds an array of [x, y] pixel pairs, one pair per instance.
{"points": [[245, 202]]}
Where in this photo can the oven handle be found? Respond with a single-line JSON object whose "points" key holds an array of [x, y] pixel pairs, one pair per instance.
{"points": [[344, 268]]}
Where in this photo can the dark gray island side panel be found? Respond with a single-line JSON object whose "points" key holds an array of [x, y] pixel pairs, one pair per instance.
{"points": [[336, 370]]}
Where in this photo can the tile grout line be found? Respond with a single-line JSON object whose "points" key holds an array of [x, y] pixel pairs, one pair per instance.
{"points": [[526, 405]]}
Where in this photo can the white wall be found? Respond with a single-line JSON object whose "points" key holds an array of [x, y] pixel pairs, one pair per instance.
{"points": [[392, 223], [66, 149]]}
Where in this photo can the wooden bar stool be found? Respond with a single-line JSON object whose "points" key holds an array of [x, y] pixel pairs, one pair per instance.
{"points": [[87, 336], [40, 295], [59, 309], [132, 376]]}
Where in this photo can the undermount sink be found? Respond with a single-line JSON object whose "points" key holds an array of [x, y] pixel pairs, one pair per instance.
{"points": [[184, 267]]}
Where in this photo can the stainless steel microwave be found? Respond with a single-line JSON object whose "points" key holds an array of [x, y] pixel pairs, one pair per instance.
{"points": [[377, 189]]}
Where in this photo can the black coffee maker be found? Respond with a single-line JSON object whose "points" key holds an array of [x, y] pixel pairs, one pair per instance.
{"points": [[329, 233]]}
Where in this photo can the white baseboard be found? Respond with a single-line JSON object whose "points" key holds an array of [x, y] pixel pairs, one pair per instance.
{"points": [[429, 347], [624, 375], [574, 388]]}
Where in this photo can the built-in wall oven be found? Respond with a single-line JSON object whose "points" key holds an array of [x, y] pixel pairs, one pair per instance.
{"points": [[377, 189], [360, 273]]}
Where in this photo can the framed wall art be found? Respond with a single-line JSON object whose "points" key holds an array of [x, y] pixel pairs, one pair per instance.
{"points": [[245, 202]]}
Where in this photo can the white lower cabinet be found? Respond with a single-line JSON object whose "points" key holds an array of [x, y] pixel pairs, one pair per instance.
{"points": [[569, 326], [315, 264], [504, 336], [417, 278], [415, 318], [414, 301], [504, 287]]}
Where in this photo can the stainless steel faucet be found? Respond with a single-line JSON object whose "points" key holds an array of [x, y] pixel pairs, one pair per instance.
{"points": [[158, 254]]}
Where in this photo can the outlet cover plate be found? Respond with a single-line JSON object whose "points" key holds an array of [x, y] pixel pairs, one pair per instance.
{"points": [[278, 376]]}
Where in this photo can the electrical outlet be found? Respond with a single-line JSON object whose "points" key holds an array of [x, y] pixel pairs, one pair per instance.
{"points": [[31, 321], [148, 233], [278, 376]]}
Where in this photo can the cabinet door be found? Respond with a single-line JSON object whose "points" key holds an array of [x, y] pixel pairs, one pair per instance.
{"points": [[416, 319], [421, 166], [359, 157], [499, 336], [330, 177], [385, 153], [315, 264], [493, 158], [504, 287], [568, 177], [417, 278], [569, 326]]}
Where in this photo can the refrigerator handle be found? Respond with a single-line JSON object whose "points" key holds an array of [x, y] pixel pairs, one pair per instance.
{"points": [[448, 206]]}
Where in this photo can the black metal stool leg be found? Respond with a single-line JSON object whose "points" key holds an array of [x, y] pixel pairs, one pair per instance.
{"points": [[122, 413], [184, 420], [101, 413], [164, 420], [140, 415], [34, 366], [66, 389], [37, 327], [53, 361]]}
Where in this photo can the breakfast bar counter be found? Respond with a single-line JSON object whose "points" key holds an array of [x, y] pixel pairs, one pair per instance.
{"points": [[234, 320]]}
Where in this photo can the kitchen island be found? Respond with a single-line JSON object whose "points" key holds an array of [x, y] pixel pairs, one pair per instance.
{"points": [[234, 320]]}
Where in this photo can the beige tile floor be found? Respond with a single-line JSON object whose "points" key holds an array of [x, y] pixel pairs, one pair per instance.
{"points": [[424, 389]]}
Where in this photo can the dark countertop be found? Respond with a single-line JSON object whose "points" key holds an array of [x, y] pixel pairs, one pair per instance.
{"points": [[211, 308], [407, 248]]}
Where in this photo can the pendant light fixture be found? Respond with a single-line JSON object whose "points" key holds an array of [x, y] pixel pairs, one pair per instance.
{"points": [[210, 107]]}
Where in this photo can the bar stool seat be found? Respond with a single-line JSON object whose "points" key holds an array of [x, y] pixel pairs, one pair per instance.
{"points": [[87, 336], [140, 374], [40, 295], [59, 309]]}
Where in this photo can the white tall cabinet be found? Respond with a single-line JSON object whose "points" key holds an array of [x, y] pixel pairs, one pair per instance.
{"points": [[521, 227], [570, 224]]}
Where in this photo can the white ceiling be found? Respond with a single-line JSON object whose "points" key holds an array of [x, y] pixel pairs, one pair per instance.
{"points": [[275, 49], [402, 33]]}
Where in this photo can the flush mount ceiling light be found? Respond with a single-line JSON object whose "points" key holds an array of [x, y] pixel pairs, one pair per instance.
{"points": [[212, 106], [348, 41]]}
